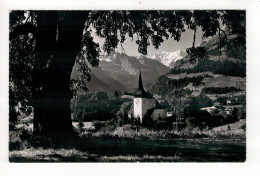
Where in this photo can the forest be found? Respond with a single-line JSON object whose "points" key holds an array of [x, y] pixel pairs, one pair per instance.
{"points": [[226, 67], [165, 85]]}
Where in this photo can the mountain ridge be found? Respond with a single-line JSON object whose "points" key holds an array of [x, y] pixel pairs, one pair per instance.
{"points": [[120, 72], [169, 58]]}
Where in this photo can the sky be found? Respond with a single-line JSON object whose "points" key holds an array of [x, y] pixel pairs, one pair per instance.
{"points": [[131, 48]]}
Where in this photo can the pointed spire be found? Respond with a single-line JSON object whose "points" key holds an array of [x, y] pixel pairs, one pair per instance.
{"points": [[140, 92], [140, 85]]}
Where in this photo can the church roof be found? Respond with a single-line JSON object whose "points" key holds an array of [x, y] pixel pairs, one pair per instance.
{"points": [[140, 92]]}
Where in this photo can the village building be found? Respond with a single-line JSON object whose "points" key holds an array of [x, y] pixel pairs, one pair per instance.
{"points": [[144, 102], [217, 104], [228, 111], [229, 102], [209, 109]]}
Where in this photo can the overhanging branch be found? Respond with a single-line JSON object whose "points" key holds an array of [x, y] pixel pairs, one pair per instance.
{"points": [[194, 37], [226, 39]]}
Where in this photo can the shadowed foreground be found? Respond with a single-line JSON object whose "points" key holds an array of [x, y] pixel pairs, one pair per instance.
{"points": [[179, 150]]}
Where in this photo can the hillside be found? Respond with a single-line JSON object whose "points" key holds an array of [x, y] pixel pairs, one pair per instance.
{"points": [[100, 81], [219, 72]]}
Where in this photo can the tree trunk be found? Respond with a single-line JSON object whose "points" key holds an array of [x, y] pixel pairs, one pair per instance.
{"points": [[52, 113]]}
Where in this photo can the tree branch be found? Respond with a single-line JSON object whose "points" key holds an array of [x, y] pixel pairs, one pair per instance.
{"points": [[225, 35], [194, 37], [219, 43]]}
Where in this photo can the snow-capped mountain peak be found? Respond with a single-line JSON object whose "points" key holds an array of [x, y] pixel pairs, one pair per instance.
{"points": [[169, 58]]}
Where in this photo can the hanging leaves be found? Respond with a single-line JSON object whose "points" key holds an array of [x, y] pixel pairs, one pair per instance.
{"points": [[197, 53]]}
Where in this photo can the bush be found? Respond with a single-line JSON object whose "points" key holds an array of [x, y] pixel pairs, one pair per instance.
{"points": [[122, 119], [160, 124], [147, 121], [80, 124], [230, 119], [195, 103], [110, 125], [202, 119], [20, 139], [98, 124], [191, 123]]}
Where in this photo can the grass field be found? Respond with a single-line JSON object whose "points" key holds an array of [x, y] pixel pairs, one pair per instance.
{"points": [[182, 150], [126, 144]]}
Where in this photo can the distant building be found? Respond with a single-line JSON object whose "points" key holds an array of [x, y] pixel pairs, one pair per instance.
{"points": [[209, 109], [228, 111], [216, 104], [228, 102], [169, 114]]}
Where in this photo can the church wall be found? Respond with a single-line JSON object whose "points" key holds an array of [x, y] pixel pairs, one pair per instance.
{"points": [[141, 105], [137, 107]]}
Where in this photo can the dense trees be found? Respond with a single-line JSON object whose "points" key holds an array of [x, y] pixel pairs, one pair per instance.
{"points": [[44, 45], [165, 85], [220, 90], [195, 103], [226, 67], [94, 106]]}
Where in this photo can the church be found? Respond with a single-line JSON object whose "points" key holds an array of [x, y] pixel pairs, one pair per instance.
{"points": [[144, 102]]}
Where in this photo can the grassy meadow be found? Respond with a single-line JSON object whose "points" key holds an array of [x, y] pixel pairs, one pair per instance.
{"points": [[130, 143]]}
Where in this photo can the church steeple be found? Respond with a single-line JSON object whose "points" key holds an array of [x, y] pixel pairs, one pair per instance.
{"points": [[140, 85], [140, 91]]}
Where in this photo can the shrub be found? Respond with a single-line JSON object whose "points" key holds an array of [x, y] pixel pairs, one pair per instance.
{"points": [[190, 123], [122, 119], [195, 103], [161, 125], [98, 124], [110, 125], [20, 139], [80, 124]]}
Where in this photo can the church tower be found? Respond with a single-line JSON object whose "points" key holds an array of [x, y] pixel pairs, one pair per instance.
{"points": [[142, 102], [140, 92]]}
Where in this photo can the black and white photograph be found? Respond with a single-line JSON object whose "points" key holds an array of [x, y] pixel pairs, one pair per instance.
{"points": [[134, 87], [127, 86]]}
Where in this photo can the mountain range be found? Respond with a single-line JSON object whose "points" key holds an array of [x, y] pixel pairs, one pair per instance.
{"points": [[119, 71], [169, 58]]}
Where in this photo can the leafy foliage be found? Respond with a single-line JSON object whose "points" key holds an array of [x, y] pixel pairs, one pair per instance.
{"points": [[95, 106], [22, 60], [197, 53], [148, 26], [89, 54], [195, 103]]}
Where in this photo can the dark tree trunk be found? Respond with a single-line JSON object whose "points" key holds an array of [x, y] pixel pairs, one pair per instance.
{"points": [[52, 115], [46, 39]]}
